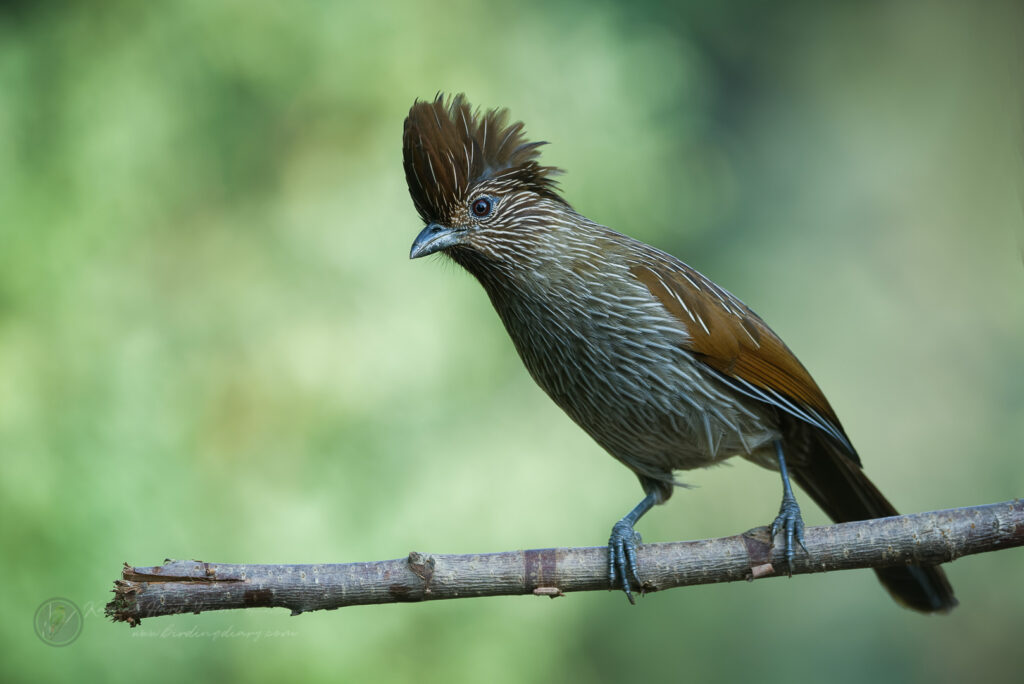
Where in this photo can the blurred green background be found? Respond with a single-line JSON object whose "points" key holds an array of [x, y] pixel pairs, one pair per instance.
{"points": [[213, 344]]}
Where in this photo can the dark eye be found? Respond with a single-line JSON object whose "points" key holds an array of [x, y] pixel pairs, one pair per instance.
{"points": [[481, 207]]}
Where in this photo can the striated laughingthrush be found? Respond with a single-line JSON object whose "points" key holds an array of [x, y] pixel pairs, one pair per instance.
{"points": [[662, 367]]}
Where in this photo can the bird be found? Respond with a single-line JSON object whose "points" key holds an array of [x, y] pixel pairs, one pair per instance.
{"points": [[664, 369]]}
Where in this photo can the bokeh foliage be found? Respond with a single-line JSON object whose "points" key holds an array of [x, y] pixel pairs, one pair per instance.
{"points": [[212, 344]]}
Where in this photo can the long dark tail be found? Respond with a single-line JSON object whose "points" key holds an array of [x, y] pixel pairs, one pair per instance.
{"points": [[840, 487]]}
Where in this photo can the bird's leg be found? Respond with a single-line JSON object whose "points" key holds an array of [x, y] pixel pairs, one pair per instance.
{"points": [[789, 518], [622, 546]]}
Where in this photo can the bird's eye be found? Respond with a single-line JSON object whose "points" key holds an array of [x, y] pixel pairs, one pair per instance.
{"points": [[481, 207]]}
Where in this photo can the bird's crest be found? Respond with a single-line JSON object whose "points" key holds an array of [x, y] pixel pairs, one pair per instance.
{"points": [[448, 148]]}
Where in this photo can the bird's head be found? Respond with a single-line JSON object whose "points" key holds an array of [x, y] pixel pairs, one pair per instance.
{"points": [[475, 181]]}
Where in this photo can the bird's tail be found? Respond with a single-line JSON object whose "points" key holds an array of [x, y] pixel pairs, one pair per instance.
{"points": [[840, 487]]}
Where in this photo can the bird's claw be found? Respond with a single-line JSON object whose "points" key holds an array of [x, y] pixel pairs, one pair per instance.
{"points": [[622, 557], [790, 522]]}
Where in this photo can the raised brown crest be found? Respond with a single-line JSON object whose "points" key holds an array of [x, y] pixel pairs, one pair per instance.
{"points": [[448, 149]]}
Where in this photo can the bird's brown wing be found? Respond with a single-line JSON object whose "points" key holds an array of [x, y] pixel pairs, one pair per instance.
{"points": [[748, 356], [735, 342]]}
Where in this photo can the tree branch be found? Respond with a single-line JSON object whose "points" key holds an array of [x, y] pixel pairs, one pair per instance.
{"points": [[923, 538]]}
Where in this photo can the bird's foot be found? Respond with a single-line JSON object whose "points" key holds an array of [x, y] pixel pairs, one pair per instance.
{"points": [[789, 521], [622, 557]]}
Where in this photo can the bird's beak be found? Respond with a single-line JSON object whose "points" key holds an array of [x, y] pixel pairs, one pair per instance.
{"points": [[434, 238]]}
